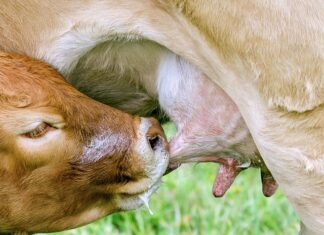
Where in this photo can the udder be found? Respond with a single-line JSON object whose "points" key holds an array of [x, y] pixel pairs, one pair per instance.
{"points": [[210, 127]]}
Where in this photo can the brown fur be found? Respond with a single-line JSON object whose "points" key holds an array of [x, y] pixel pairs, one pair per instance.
{"points": [[50, 188]]}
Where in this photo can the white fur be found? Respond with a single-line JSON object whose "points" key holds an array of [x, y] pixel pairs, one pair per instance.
{"points": [[175, 85], [131, 203], [156, 162], [100, 146]]}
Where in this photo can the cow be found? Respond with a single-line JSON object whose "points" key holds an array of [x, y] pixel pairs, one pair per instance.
{"points": [[65, 159], [267, 56]]}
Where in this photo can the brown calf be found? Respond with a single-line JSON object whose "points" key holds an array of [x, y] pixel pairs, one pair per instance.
{"points": [[65, 159]]}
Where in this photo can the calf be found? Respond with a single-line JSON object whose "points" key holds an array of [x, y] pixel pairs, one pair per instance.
{"points": [[65, 159]]}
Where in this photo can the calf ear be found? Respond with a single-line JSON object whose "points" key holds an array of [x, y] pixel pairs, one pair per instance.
{"points": [[21, 101], [18, 101]]}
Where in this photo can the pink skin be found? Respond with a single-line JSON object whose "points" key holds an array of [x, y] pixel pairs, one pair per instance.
{"points": [[226, 175], [229, 169], [211, 129], [269, 185]]}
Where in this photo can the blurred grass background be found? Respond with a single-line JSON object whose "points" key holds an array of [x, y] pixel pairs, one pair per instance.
{"points": [[185, 205]]}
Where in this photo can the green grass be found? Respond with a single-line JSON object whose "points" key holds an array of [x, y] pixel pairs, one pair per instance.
{"points": [[185, 205]]}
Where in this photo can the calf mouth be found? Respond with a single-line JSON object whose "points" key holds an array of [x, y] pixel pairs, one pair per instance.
{"points": [[134, 201]]}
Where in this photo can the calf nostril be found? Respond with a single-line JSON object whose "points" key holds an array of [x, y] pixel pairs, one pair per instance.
{"points": [[155, 142], [153, 134]]}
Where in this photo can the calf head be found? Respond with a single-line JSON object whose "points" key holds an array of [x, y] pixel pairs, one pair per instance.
{"points": [[65, 159]]}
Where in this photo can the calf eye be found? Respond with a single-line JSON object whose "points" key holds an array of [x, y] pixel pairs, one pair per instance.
{"points": [[39, 131]]}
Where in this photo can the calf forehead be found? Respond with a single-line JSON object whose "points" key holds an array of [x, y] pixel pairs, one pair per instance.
{"points": [[34, 85], [24, 81]]}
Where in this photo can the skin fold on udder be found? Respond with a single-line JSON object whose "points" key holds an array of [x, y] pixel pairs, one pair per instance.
{"points": [[210, 128]]}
